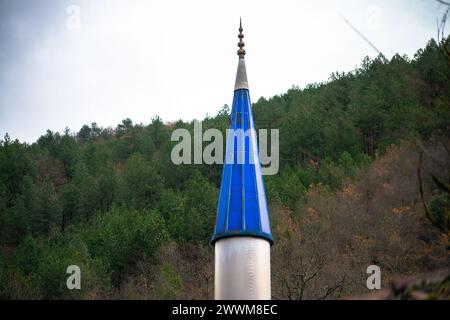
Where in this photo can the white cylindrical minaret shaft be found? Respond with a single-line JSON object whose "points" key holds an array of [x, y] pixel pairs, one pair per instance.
{"points": [[242, 269]]}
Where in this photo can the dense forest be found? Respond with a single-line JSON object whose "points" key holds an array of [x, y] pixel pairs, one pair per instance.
{"points": [[364, 179]]}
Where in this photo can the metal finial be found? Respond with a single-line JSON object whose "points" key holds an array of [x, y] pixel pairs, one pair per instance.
{"points": [[241, 44]]}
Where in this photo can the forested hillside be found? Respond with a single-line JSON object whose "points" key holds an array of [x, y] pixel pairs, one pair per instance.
{"points": [[364, 179]]}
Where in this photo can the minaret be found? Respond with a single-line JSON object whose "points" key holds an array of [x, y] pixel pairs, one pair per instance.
{"points": [[242, 237]]}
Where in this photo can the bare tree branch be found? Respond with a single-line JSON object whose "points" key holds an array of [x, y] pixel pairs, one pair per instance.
{"points": [[444, 2], [363, 37]]}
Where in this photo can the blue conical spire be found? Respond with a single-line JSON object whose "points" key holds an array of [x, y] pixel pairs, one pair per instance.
{"points": [[242, 208]]}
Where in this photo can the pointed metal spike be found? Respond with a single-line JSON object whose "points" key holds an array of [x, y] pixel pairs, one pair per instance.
{"points": [[241, 44]]}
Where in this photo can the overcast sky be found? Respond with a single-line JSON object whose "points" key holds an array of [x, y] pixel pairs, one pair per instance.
{"points": [[69, 63]]}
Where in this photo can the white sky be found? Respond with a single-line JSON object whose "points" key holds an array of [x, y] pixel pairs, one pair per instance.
{"points": [[177, 59]]}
